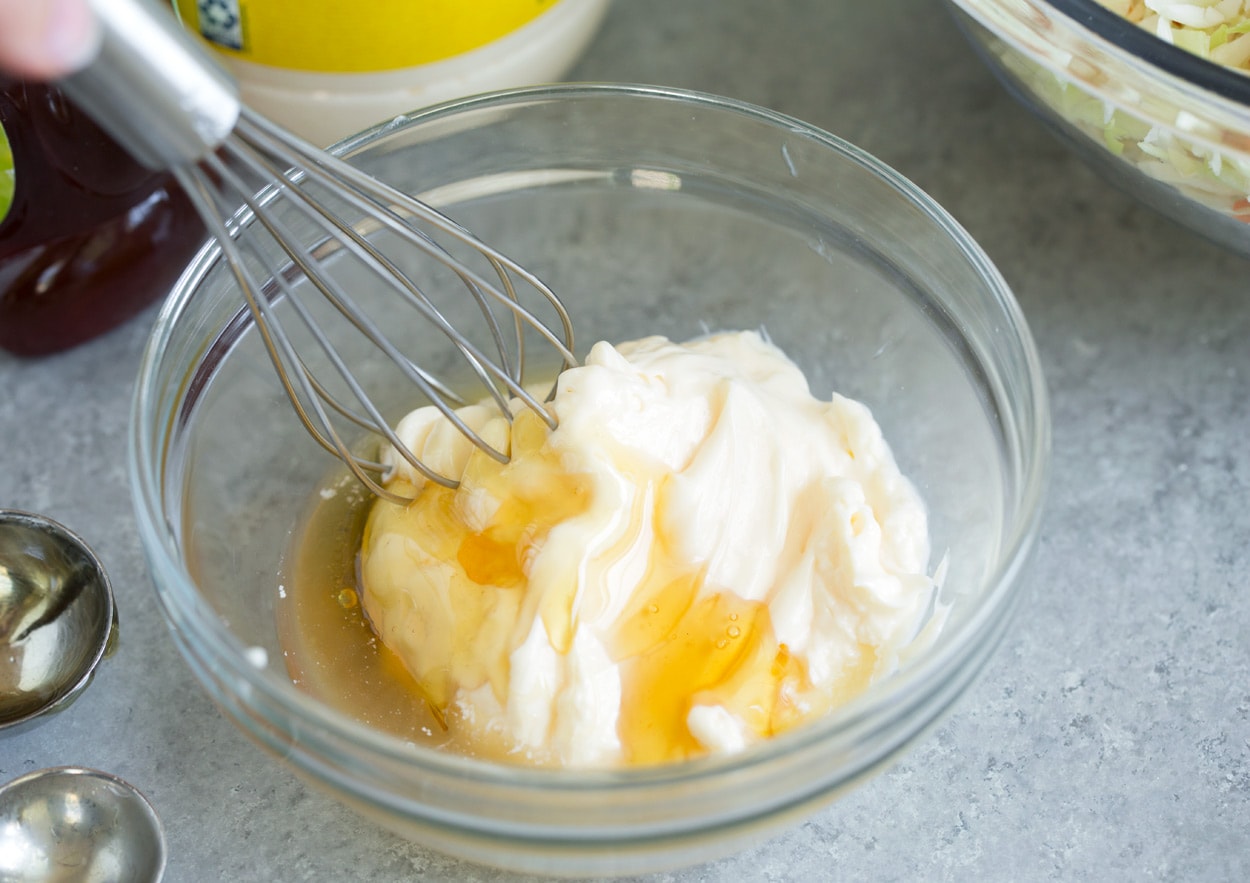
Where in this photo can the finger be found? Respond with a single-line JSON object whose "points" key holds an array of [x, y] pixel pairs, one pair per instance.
{"points": [[46, 39]]}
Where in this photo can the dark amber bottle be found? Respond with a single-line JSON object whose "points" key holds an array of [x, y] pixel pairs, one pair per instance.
{"points": [[90, 237]]}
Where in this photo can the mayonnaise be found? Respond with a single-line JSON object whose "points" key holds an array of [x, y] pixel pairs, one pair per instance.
{"points": [[702, 555]]}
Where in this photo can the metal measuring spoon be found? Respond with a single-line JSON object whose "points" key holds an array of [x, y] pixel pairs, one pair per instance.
{"points": [[57, 618], [75, 825]]}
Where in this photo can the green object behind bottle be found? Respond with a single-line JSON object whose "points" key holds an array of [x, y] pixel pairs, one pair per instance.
{"points": [[6, 174]]}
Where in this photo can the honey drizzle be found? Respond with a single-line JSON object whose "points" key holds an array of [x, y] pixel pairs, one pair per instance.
{"points": [[680, 643]]}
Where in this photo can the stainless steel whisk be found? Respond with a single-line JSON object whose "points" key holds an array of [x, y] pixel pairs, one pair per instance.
{"points": [[166, 100]]}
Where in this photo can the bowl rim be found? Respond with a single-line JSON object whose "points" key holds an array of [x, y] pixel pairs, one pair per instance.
{"points": [[186, 611], [1119, 31], [1051, 32]]}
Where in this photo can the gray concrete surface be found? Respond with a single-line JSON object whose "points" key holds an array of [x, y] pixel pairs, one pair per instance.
{"points": [[1108, 739]]}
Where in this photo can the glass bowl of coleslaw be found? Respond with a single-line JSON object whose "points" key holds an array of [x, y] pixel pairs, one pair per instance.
{"points": [[1154, 94]]}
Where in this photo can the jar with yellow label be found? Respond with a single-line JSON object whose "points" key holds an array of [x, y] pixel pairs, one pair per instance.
{"points": [[326, 69]]}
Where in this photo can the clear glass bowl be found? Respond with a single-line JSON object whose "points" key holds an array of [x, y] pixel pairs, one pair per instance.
{"points": [[650, 211], [1165, 125]]}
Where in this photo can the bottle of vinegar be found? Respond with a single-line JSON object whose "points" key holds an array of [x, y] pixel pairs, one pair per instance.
{"points": [[88, 237]]}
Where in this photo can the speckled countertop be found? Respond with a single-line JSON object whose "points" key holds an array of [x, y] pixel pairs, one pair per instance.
{"points": [[1108, 739]]}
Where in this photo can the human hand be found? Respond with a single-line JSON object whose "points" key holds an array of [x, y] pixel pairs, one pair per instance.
{"points": [[46, 39]]}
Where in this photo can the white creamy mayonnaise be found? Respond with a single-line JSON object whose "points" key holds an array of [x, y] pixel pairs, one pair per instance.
{"points": [[700, 556]]}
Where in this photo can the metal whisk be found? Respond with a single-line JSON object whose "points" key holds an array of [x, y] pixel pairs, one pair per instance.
{"points": [[163, 97]]}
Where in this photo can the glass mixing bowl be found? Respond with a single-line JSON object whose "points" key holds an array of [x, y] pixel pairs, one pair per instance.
{"points": [[649, 211], [1165, 125]]}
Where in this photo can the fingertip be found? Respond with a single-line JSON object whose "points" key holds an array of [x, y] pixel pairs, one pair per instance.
{"points": [[71, 37], [48, 39]]}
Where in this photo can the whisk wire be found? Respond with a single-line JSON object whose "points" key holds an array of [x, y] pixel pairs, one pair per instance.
{"points": [[275, 139], [333, 291], [385, 203], [387, 270], [275, 341], [220, 181], [475, 283], [293, 179]]}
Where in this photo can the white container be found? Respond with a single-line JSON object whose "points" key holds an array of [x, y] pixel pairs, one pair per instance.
{"points": [[326, 69]]}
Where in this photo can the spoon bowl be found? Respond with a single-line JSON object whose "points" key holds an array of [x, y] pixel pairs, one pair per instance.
{"points": [[73, 824], [57, 617]]}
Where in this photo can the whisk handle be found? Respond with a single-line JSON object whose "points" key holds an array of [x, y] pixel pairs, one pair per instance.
{"points": [[153, 87]]}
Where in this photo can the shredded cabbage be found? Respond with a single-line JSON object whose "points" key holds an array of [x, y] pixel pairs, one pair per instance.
{"points": [[1218, 30], [1213, 29]]}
